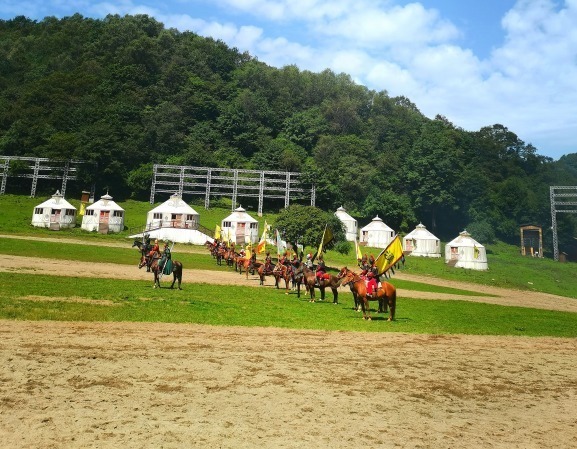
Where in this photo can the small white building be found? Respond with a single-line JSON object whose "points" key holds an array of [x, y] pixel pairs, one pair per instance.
{"points": [[465, 252], [376, 234], [421, 242], [240, 227], [104, 216], [55, 213], [173, 213], [176, 221], [350, 223]]}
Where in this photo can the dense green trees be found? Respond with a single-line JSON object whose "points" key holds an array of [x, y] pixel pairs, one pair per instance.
{"points": [[125, 93]]}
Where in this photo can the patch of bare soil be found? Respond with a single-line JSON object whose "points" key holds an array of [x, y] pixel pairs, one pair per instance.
{"points": [[152, 385], [142, 385]]}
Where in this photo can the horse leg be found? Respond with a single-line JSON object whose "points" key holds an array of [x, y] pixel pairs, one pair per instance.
{"points": [[392, 305], [366, 308], [335, 296]]}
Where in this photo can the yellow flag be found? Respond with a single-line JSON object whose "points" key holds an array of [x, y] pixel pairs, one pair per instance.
{"points": [[217, 232], [390, 255], [327, 238], [358, 249], [261, 247], [248, 251]]}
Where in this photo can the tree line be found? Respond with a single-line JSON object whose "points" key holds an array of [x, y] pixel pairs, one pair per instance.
{"points": [[127, 92]]}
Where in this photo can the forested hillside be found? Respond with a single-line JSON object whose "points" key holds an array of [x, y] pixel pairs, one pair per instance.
{"points": [[125, 92]]}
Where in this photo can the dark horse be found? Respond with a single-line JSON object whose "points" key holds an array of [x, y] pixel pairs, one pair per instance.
{"points": [[306, 277], [328, 281], [386, 294]]}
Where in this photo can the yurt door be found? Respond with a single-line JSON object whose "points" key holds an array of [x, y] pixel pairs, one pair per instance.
{"points": [[454, 252], [408, 244], [104, 216], [177, 221], [55, 217], [240, 229]]}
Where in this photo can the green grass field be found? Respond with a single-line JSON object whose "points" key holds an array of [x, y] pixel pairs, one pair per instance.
{"points": [[41, 297]]}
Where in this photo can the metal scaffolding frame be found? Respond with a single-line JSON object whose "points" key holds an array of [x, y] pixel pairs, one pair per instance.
{"points": [[39, 168], [233, 183], [563, 200]]}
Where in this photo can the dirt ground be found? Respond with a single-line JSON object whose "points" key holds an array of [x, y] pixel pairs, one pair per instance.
{"points": [[134, 385]]}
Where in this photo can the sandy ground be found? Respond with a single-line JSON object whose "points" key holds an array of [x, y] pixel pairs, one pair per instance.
{"points": [[134, 385]]}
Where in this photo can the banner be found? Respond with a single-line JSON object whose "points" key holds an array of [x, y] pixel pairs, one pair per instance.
{"points": [[279, 245], [358, 250], [261, 247], [217, 232], [389, 256], [327, 238]]}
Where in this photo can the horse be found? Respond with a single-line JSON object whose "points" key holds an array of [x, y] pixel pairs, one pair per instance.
{"points": [[279, 272], [328, 281], [264, 270], [152, 263], [143, 248], [386, 294], [306, 277]]}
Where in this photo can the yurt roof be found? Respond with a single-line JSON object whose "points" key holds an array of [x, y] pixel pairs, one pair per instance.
{"points": [[377, 225], [175, 204], [421, 233], [342, 215], [464, 239], [57, 200], [239, 215], [105, 203]]}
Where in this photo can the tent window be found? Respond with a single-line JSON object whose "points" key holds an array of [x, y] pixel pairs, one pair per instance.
{"points": [[189, 217], [253, 225], [226, 224], [89, 212], [38, 210], [117, 213], [70, 212], [157, 216]]}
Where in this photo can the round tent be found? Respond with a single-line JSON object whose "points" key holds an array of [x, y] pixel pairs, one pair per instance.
{"points": [[173, 213], [376, 234], [104, 216], [55, 213], [349, 222], [421, 242], [176, 221], [239, 227], [465, 252]]}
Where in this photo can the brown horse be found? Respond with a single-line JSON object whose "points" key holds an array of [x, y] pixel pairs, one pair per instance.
{"points": [[263, 270], [279, 272], [152, 263], [386, 294], [306, 277], [329, 281]]}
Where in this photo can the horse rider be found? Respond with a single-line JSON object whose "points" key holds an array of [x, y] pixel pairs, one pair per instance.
{"points": [[166, 256], [268, 262], [321, 270], [309, 261], [372, 284]]}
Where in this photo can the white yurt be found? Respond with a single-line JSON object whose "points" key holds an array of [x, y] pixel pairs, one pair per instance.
{"points": [[239, 227], [104, 216], [465, 252], [176, 221], [376, 234], [422, 242], [349, 222], [55, 213], [173, 213]]}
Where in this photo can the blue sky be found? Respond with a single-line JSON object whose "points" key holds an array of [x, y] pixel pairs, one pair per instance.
{"points": [[476, 62]]}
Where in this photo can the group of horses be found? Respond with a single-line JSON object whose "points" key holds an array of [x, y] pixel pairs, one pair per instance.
{"points": [[151, 262], [301, 275]]}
